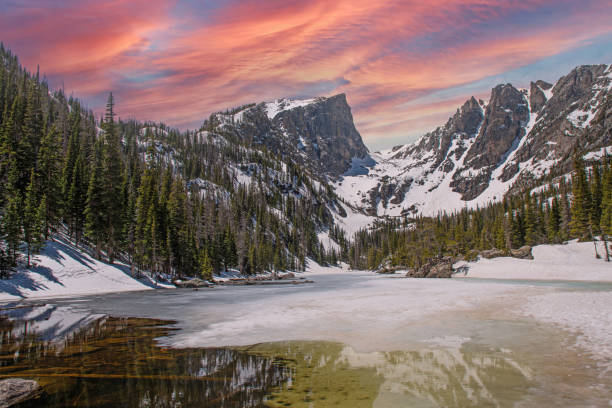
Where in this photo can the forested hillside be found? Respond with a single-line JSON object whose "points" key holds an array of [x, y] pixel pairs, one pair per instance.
{"points": [[183, 203]]}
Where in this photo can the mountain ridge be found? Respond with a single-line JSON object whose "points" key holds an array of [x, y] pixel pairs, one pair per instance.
{"points": [[489, 148]]}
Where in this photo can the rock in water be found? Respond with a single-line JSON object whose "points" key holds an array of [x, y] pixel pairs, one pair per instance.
{"points": [[16, 390]]}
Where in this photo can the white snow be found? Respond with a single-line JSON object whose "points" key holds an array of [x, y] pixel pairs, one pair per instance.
{"points": [[280, 105], [354, 220], [598, 154], [574, 261], [327, 242], [64, 270]]}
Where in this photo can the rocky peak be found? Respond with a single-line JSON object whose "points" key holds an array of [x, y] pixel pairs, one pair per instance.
{"points": [[537, 97], [505, 117], [467, 119], [574, 86], [318, 133], [325, 132], [479, 155]]}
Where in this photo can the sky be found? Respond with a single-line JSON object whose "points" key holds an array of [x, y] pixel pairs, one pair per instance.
{"points": [[405, 66]]}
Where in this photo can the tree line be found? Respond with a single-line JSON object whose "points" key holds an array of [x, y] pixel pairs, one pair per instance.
{"points": [[578, 207]]}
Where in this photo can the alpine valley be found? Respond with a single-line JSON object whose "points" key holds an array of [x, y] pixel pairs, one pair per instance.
{"points": [[267, 185]]}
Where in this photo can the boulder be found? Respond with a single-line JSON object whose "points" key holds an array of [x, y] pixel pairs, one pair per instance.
{"points": [[16, 390], [434, 268], [523, 252], [492, 253], [192, 283], [443, 269], [289, 275]]}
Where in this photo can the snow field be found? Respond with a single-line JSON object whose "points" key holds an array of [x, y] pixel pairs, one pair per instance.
{"points": [[61, 269]]}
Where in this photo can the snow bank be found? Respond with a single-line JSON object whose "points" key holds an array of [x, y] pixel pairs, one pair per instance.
{"points": [[65, 270], [574, 261]]}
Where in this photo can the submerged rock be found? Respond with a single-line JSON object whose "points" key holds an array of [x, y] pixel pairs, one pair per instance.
{"points": [[16, 390]]}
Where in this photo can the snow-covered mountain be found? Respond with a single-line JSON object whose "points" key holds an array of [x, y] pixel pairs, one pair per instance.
{"points": [[489, 148], [312, 151]]}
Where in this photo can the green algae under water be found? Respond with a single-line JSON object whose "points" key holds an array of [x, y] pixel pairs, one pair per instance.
{"points": [[116, 362]]}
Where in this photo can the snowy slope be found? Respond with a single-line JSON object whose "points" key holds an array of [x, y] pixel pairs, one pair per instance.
{"points": [[574, 261], [64, 270]]}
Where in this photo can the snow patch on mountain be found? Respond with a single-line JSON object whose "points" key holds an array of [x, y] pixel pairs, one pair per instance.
{"points": [[279, 105]]}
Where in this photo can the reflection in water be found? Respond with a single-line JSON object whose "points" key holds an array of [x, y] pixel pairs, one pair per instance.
{"points": [[115, 363], [331, 374], [98, 361]]}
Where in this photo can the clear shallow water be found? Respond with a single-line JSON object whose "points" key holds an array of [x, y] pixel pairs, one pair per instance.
{"points": [[85, 358]]}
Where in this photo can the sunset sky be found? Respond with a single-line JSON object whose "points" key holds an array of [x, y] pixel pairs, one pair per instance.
{"points": [[405, 66]]}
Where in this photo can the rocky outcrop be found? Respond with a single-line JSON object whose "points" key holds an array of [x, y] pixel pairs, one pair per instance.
{"points": [[435, 268], [16, 390], [390, 270], [317, 133], [192, 283], [574, 116], [502, 128], [523, 252], [492, 253], [537, 97]]}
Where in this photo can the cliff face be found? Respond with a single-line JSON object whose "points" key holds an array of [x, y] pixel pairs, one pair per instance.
{"points": [[487, 149], [318, 133]]}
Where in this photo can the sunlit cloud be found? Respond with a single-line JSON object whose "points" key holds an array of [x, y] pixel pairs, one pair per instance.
{"points": [[178, 61]]}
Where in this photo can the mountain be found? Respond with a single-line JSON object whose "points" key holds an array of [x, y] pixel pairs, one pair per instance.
{"points": [[489, 148], [316, 133], [248, 190]]}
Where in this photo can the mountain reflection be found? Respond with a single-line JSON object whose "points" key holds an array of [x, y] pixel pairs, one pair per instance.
{"points": [[112, 362], [88, 360]]}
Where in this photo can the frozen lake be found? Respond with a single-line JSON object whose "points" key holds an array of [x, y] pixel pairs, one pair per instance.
{"points": [[488, 342]]}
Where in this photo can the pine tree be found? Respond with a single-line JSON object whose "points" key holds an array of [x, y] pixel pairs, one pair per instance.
{"points": [[33, 220], [554, 221], [581, 202], [49, 173], [596, 198], [206, 268], [11, 225], [75, 201], [530, 222], [113, 180], [606, 202], [95, 210], [606, 208]]}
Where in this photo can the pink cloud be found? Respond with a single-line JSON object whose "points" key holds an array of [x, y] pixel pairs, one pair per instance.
{"points": [[382, 54]]}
